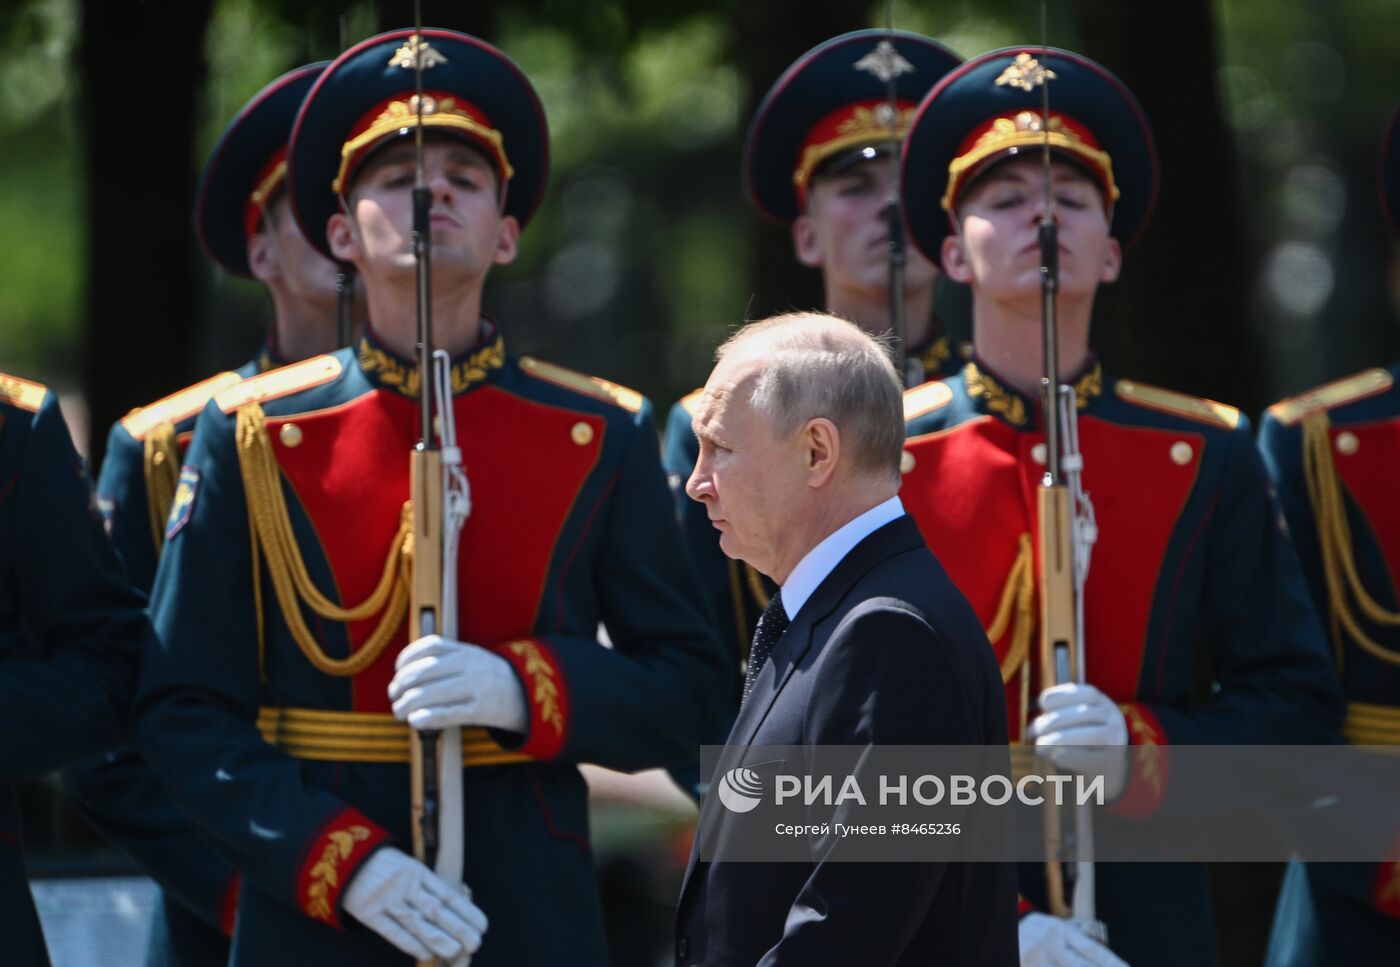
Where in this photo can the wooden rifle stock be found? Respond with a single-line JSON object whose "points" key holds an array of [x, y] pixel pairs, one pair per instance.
{"points": [[425, 610]]}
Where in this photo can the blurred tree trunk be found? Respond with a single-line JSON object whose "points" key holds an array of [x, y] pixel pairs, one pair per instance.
{"points": [[477, 19], [1180, 314], [139, 112], [768, 37]]}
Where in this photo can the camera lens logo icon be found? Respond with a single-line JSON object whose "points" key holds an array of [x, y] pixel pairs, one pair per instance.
{"points": [[740, 789]]}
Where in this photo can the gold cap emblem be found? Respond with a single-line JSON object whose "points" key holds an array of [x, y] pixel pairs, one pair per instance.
{"points": [[1026, 72], [415, 47]]}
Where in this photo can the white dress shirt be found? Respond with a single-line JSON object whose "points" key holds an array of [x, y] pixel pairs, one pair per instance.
{"points": [[821, 560]]}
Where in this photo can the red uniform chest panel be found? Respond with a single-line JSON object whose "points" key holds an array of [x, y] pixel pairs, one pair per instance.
{"points": [[1372, 474], [972, 491], [525, 464], [1139, 480], [964, 492]]}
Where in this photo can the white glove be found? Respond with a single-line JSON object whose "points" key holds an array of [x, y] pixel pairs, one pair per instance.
{"points": [[1048, 941], [1074, 715], [441, 683], [413, 908]]}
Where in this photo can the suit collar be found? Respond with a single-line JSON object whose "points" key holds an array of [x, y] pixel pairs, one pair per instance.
{"points": [[896, 537]]}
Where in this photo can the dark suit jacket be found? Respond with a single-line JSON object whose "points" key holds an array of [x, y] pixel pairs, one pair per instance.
{"points": [[886, 652]]}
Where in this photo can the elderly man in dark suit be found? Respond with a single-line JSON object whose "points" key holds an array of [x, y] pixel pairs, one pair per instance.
{"points": [[867, 642]]}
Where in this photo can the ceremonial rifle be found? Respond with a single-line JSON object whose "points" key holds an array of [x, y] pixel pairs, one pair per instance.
{"points": [[440, 503], [1067, 535]]}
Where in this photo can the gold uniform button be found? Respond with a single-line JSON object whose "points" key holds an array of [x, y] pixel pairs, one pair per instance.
{"points": [[1181, 453], [1038, 453], [1347, 443], [158, 458], [582, 433], [906, 462], [290, 435]]}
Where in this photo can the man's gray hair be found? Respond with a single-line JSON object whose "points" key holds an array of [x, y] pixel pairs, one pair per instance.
{"points": [[818, 365]]}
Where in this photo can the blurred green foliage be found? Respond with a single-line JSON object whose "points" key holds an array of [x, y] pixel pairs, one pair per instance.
{"points": [[639, 259]]}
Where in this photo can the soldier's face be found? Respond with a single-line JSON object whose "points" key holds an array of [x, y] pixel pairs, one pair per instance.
{"points": [[845, 232], [469, 232], [996, 248], [279, 254], [751, 481]]}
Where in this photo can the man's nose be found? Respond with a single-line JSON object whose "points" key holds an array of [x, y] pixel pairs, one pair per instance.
{"points": [[699, 485]]}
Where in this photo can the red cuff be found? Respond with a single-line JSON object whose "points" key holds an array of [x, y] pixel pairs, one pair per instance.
{"points": [[1023, 906], [1385, 891], [332, 856], [545, 693], [1149, 762], [228, 906]]}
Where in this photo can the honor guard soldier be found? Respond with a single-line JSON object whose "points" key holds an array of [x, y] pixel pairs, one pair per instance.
{"points": [[1334, 454], [1192, 582], [70, 628], [275, 706], [244, 221], [818, 158]]}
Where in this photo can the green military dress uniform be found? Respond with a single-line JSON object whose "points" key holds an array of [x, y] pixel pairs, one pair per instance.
{"points": [[119, 793], [71, 628]]}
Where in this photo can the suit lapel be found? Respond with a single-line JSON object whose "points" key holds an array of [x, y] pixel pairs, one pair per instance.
{"points": [[896, 537]]}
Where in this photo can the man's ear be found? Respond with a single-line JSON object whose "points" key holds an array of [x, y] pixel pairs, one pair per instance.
{"points": [[262, 255], [1112, 261], [342, 236], [956, 264], [806, 243], [822, 443], [508, 241]]}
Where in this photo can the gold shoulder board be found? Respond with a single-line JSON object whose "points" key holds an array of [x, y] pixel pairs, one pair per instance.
{"points": [[1329, 396], [279, 382], [925, 398], [1180, 404], [629, 399], [22, 393], [692, 400], [177, 406]]}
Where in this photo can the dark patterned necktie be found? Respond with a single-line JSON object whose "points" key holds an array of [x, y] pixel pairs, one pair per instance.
{"points": [[771, 625]]}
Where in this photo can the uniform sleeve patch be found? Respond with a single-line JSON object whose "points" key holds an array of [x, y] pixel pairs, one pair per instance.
{"points": [[183, 504]]}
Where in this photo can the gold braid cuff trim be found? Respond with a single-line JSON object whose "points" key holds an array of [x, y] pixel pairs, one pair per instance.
{"points": [[161, 465], [327, 736], [1334, 540], [272, 534], [1372, 724]]}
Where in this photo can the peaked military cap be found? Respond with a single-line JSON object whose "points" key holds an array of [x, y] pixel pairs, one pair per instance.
{"points": [[367, 98], [246, 168], [989, 109], [831, 109]]}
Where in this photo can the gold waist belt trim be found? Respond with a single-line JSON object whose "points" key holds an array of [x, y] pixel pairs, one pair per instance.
{"points": [[306, 733], [1372, 724]]}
